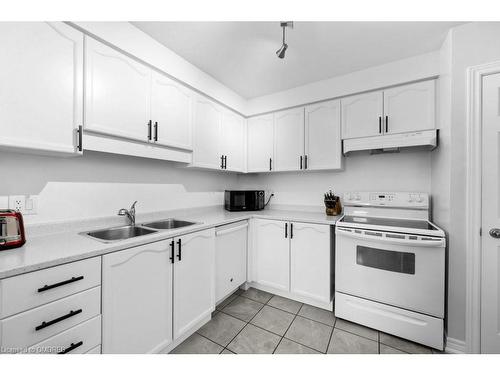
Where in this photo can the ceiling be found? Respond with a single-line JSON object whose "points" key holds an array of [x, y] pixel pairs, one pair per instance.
{"points": [[241, 55]]}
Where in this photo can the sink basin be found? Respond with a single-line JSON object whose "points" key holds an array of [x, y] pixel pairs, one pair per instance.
{"points": [[120, 233], [168, 224]]}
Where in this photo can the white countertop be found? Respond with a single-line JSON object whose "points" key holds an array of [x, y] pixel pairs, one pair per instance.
{"points": [[58, 247]]}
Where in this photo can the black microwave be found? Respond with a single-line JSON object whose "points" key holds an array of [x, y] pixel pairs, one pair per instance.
{"points": [[244, 200]]}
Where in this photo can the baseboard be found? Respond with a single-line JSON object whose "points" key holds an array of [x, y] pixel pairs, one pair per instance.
{"points": [[455, 346]]}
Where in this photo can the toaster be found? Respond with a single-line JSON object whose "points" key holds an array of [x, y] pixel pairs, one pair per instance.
{"points": [[11, 229]]}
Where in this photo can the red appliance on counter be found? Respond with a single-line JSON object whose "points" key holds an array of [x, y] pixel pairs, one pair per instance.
{"points": [[11, 229]]}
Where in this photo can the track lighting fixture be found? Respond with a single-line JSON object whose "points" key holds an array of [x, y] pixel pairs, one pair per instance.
{"points": [[281, 51]]}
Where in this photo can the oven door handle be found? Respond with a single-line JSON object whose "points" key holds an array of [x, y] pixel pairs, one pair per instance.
{"points": [[437, 242]]}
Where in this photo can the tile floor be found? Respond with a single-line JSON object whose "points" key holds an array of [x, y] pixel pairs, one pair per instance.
{"points": [[255, 321]]}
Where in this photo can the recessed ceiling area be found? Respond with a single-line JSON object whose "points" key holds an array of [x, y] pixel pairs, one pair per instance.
{"points": [[241, 55]]}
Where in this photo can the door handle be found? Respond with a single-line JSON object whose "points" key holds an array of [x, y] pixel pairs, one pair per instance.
{"points": [[305, 162], [270, 164], [225, 161], [150, 123], [222, 162], [386, 124], [61, 283], [300, 161], [172, 246], [495, 233], [291, 230], [179, 254], [72, 347], [286, 230], [156, 131], [80, 138], [57, 320]]}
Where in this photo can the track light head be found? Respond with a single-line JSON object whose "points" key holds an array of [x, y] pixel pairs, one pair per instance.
{"points": [[281, 51]]}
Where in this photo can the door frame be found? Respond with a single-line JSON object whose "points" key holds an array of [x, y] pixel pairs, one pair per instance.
{"points": [[475, 75]]}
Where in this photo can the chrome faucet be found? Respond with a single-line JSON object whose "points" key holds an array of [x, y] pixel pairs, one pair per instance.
{"points": [[129, 213]]}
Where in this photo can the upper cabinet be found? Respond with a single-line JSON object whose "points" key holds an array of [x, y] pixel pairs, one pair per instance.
{"points": [[260, 143], [171, 112], [410, 108], [323, 144], [289, 140], [362, 115], [117, 93], [402, 109], [207, 123], [41, 75], [233, 145]]}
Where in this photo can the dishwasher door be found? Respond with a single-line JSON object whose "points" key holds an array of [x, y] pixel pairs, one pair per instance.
{"points": [[231, 242]]}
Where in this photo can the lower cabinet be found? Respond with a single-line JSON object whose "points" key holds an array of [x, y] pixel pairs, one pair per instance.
{"points": [[230, 258], [294, 258], [154, 293]]}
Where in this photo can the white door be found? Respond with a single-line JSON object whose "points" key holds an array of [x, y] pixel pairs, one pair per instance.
{"points": [[409, 108], [117, 93], [171, 112], [41, 81], [230, 258], [289, 140], [137, 299], [323, 144], [207, 123], [362, 115], [271, 254], [233, 136], [260, 143], [490, 278], [194, 279], [310, 261]]}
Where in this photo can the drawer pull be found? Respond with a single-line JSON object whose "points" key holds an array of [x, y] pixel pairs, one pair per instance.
{"points": [[57, 320], [69, 281], [71, 347]]}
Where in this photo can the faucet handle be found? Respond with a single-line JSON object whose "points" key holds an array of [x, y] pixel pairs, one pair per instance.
{"points": [[133, 206]]}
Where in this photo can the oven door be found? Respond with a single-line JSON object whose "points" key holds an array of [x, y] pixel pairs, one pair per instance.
{"points": [[399, 270]]}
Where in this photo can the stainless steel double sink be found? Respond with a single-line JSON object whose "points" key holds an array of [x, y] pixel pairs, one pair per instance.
{"points": [[131, 231]]}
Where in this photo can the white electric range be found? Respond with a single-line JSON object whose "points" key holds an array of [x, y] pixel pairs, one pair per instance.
{"points": [[390, 266]]}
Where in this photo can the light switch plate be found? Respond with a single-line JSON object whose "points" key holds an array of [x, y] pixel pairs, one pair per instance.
{"points": [[31, 205]]}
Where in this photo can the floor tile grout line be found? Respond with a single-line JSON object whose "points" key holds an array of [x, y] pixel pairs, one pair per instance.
{"points": [[330, 339], [209, 339], [356, 334], [282, 337]]}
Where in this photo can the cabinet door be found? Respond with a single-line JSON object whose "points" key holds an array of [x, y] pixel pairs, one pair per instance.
{"points": [[271, 255], [41, 96], [260, 142], [230, 258], [310, 261], [194, 279], [137, 299], [233, 136], [171, 109], [323, 145], [289, 140], [409, 108], [117, 93], [362, 115], [207, 122]]}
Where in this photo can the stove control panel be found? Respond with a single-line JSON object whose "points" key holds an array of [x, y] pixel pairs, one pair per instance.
{"points": [[387, 199]]}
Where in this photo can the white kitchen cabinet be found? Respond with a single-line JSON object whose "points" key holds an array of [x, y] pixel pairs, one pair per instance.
{"points": [[310, 260], [362, 115], [41, 89], [271, 254], [409, 108], [207, 124], [230, 258], [194, 289], [289, 140], [323, 144], [260, 143], [117, 93], [171, 112], [233, 145], [137, 299]]}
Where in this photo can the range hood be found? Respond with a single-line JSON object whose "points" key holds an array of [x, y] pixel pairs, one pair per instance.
{"points": [[427, 139]]}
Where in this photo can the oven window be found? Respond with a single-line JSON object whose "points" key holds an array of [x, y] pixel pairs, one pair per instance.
{"points": [[395, 261]]}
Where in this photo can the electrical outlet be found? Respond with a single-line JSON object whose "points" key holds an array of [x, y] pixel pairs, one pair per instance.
{"points": [[17, 202]]}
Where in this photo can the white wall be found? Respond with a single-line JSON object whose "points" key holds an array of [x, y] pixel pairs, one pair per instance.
{"points": [[394, 73], [405, 171]]}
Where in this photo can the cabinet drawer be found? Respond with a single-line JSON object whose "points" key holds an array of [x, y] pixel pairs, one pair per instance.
{"points": [[33, 326], [24, 292], [96, 350], [79, 339]]}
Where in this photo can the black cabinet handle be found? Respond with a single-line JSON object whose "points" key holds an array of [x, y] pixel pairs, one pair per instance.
{"points": [[80, 138], [149, 130], [69, 281], [179, 254], [172, 245], [222, 162], [386, 124], [71, 347], [300, 161], [380, 124], [225, 162], [156, 131], [270, 164], [305, 162], [57, 320], [286, 230], [291, 230]]}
